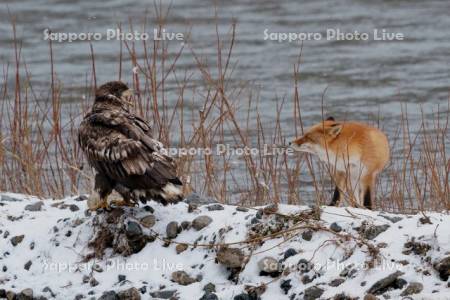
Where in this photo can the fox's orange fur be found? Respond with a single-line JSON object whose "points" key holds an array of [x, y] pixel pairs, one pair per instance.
{"points": [[355, 152]]}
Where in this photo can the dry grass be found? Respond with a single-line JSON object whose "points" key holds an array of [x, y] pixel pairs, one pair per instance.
{"points": [[39, 153]]}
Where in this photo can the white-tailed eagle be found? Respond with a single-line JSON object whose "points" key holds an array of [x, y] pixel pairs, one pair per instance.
{"points": [[119, 146]]}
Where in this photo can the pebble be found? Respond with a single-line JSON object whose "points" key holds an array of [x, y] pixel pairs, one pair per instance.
{"points": [[186, 225], [172, 230], [74, 207], [93, 282], [242, 209], [165, 294], [197, 199], [27, 265], [183, 278], [181, 248], [443, 268], [269, 265], [381, 285], [129, 294], [17, 239], [37, 206], [286, 286], [209, 288], [336, 282], [335, 227], [307, 235], [214, 207], [210, 296], [109, 295], [230, 257], [133, 229], [26, 294], [148, 221], [201, 222], [290, 252], [121, 277], [313, 293], [412, 288]]}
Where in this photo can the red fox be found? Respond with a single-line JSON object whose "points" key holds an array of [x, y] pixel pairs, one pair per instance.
{"points": [[355, 153]]}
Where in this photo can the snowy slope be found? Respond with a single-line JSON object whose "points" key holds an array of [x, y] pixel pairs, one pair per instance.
{"points": [[52, 258]]}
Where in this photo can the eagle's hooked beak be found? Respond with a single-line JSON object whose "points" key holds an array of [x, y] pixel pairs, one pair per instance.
{"points": [[126, 97]]}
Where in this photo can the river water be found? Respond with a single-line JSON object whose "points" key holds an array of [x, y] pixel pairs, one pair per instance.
{"points": [[363, 79]]}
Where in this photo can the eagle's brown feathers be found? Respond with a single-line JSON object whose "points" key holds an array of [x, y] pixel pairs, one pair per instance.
{"points": [[120, 147]]}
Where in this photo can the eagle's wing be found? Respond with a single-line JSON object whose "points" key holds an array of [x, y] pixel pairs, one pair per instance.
{"points": [[120, 145]]}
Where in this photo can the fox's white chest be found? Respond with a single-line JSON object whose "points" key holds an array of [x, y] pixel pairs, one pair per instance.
{"points": [[342, 162]]}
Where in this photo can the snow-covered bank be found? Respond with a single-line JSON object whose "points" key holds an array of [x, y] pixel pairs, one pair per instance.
{"points": [[58, 249]]}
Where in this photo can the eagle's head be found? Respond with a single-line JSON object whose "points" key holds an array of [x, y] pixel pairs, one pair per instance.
{"points": [[113, 94]]}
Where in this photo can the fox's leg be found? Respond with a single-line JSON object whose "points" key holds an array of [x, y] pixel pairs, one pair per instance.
{"points": [[339, 189], [99, 197], [367, 190]]}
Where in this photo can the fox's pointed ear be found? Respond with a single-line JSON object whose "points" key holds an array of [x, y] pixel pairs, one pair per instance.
{"points": [[334, 130], [330, 118]]}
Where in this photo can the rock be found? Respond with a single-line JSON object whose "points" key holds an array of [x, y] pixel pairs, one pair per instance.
{"points": [[109, 295], [165, 294], [148, 221], [186, 225], [242, 296], [149, 208], [242, 209], [209, 288], [93, 282], [81, 198], [286, 285], [49, 290], [10, 198], [343, 296], [79, 297], [417, 248], [129, 294], [27, 265], [382, 285], [172, 230], [26, 294], [210, 296], [97, 268], [86, 278], [290, 252], [230, 257], [269, 265], [335, 227], [2, 293], [393, 219], [133, 230], [37, 206], [73, 207], [312, 293], [412, 288], [443, 268], [304, 265], [371, 231], [17, 239], [201, 222], [121, 277], [307, 235], [181, 248], [259, 213], [195, 198], [10, 295], [214, 207], [336, 282], [183, 278], [370, 297]]}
